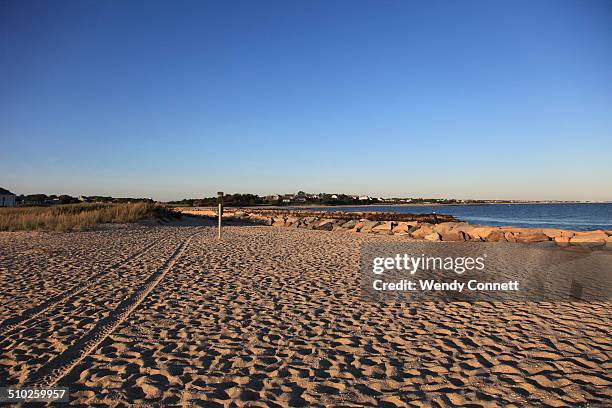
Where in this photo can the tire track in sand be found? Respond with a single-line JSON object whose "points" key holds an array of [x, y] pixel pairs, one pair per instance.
{"points": [[60, 366], [7, 326]]}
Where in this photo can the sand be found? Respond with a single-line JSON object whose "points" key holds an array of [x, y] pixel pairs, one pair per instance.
{"points": [[273, 317]]}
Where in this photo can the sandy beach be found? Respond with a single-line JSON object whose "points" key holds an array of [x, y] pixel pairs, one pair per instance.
{"points": [[169, 315]]}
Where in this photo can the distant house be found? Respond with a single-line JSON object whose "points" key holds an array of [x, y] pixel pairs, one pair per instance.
{"points": [[334, 197], [300, 197], [364, 198], [287, 198], [7, 199]]}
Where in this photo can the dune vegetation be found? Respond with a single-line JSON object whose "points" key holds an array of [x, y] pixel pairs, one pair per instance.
{"points": [[71, 217]]}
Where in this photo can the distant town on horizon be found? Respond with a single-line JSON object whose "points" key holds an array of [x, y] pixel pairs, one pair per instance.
{"points": [[301, 198]]}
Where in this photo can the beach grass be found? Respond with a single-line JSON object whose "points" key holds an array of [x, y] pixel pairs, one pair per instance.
{"points": [[72, 217]]}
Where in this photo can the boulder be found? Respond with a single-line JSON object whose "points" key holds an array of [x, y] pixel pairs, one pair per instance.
{"points": [[400, 228], [289, 221], [497, 236], [434, 236], [349, 224], [609, 243], [554, 232], [509, 235], [256, 218], [403, 226], [480, 233], [561, 240], [422, 230], [369, 225], [326, 225], [531, 236], [551, 232], [445, 227], [358, 226], [589, 238], [310, 222], [469, 235], [278, 222], [413, 228], [303, 224], [384, 228], [454, 235]]}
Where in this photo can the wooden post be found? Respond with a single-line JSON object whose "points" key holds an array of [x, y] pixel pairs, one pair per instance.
{"points": [[219, 216], [219, 211]]}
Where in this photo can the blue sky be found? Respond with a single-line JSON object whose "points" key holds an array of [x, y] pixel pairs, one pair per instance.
{"points": [[465, 99]]}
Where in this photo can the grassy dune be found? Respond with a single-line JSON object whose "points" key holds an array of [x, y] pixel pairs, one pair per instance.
{"points": [[78, 216]]}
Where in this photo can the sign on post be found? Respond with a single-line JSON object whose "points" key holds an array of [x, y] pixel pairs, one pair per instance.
{"points": [[219, 211]]}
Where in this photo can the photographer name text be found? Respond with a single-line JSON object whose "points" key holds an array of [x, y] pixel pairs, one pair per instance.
{"points": [[413, 264]]}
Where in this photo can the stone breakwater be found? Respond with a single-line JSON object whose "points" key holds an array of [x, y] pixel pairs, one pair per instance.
{"points": [[339, 215], [429, 227]]}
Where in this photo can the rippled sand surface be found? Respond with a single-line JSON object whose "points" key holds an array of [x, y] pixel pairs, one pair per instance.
{"points": [[273, 317]]}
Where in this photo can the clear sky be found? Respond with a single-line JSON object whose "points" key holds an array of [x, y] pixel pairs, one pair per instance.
{"points": [[464, 99]]}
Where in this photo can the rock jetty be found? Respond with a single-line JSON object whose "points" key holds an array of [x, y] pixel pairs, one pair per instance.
{"points": [[429, 227]]}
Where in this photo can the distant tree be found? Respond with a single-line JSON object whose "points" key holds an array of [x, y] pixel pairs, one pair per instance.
{"points": [[36, 198], [66, 199]]}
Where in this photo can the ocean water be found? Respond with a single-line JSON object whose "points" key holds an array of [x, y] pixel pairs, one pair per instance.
{"points": [[580, 217]]}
